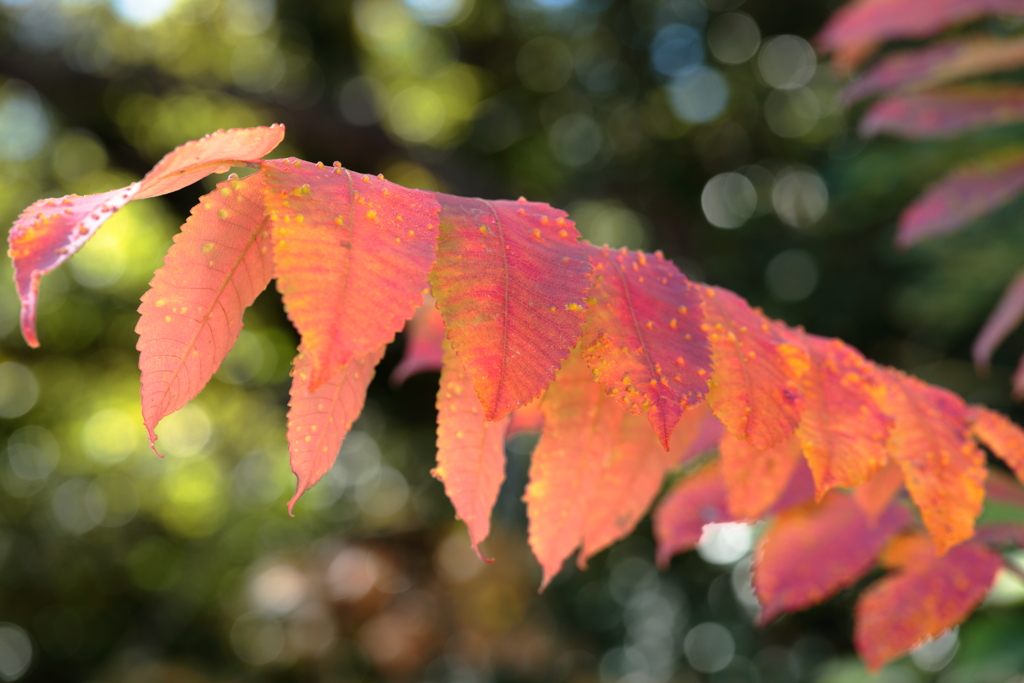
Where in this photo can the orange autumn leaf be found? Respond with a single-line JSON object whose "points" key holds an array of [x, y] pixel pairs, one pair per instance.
{"points": [[470, 450], [926, 596], [352, 254], [424, 343], [213, 153], [319, 420], [594, 471], [192, 314], [753, 390], [754, 478], [943, 469], [812, 551], [842, 430], [643, 338], [511, 284], [47, 234], [1001, 435]]}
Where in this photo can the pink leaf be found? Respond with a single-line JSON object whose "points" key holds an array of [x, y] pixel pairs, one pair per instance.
{"points": [[319, 420], [935, 65], [470, 450], [869, 22], [48, 233], [1003, 319], [945, 112], [213, 153], [961, 197], [192, 314]]}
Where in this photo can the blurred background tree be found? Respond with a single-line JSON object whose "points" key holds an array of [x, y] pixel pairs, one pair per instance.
{"points": [[706, 128]]}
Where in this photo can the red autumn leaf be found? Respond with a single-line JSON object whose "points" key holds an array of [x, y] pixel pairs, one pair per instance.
{"points": [[925, 597], [943, 469], [811, 552], [594, 471], [424, 343], [1000, 435], [752, 389], [192, 314], [643, 338], [755, 479], [961, 197], [875, 495], [214, 153], [935, 65], [694, 501], [470, 450], [352, 254], [529, 418], [842, 431], [47, 234], [319, 420], [944, 112], [1003, 319], [870, 22], [511, 284]]}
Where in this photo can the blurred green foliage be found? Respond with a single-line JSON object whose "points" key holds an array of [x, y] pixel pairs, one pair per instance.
{"points": [[706, 129]]}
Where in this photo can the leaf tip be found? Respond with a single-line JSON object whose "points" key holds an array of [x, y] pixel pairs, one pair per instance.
{"points": [[299, 490], [479, 553]]}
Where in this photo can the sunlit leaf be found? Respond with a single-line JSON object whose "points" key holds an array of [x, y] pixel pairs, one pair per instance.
{"points": [[944, 112], [643, 337], [943, 469], [470, 450], [352, 254], [319, 420], [1002, 436], [511, 283], [214, 153], [47, 234], [594, 471], [937, 64], [842, 430], [961, 197], [192, 314], [926, 596], [424, 343], [810, 552], [752, 390]]}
